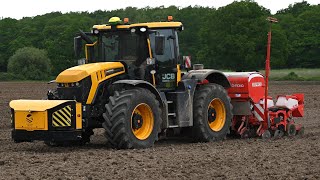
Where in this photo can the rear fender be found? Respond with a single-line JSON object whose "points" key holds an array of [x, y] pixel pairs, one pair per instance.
{"points": [[208, 75]]}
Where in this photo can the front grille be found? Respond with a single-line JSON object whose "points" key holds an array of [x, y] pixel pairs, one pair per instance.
{"points": [[79, 93]]}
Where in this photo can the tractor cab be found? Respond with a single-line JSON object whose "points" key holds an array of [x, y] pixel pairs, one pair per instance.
{"points": [[150, 51]]}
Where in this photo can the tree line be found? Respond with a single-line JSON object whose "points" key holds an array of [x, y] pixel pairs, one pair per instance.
{"points": [[231, 37]]}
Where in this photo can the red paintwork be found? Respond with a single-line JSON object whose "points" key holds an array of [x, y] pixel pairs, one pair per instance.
{"points": [[267, 69], [246, 86], [203, 82], [299, 111]]}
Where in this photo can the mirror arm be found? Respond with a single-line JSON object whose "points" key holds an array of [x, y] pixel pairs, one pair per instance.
{"points": [[85, 37]]}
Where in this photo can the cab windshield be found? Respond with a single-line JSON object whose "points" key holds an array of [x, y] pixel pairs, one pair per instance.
{"points": [[131, 48]]}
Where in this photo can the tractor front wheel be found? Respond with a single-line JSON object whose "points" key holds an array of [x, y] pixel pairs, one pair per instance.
{"points": [[132, 119]]}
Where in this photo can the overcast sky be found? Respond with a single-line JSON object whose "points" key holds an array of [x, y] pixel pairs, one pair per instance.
{"points": [[28, 8]]}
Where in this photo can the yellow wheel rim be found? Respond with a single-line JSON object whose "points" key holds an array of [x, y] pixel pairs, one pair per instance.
{"points": [[142, 121], [216, 114]]}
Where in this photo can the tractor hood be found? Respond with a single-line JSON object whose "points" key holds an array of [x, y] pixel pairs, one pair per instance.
{"points": [[99, 70]]}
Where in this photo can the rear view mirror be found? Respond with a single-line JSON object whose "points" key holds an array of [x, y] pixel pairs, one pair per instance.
{"points": [[187, 62], [77, 46], [159, 44]]}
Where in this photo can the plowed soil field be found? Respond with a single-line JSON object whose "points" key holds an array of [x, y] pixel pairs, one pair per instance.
{"points": [[286, 158]]}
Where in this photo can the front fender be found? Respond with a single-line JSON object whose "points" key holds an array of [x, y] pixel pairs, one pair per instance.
{"points": [[161, 98], [143, 84], [138, 83]]}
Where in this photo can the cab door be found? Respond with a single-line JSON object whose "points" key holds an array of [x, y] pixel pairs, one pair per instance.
{"points": [[166, 60]]}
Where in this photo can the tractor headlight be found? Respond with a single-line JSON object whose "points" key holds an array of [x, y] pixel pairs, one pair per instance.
{"points": [[143, 29], [95, 31], [75, 84]]}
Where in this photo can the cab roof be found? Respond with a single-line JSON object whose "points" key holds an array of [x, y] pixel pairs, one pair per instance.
{"points": [[151, 25]]}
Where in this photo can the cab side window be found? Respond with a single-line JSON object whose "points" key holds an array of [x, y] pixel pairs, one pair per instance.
{"points": [[168, 56]]}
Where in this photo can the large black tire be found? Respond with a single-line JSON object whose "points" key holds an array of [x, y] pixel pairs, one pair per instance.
{"points": [[121, 116], [204, 96]]}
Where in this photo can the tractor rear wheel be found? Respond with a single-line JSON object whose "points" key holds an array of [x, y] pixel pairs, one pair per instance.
{"points": [[211, 113], [132, 119]]}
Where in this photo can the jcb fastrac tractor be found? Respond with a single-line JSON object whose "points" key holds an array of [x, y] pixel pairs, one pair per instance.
{"points": [[131, 84]]}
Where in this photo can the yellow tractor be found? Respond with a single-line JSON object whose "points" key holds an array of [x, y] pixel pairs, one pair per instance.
{"points": [[132, 84]]}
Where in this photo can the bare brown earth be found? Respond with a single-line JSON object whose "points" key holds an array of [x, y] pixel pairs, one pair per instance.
{"points": [[286, 158]]}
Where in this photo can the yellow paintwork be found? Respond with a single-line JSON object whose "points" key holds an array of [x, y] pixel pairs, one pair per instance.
{"points": [[77, 73], [86, 49], [37, 120], [149, 25], [114, 20], [154, 80], [149, 47], [107, 27], [78, 116], [158, 24], [96, 80], [146, 129], [95, 70], [220, 120], [178, 73], [34, 105]]}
